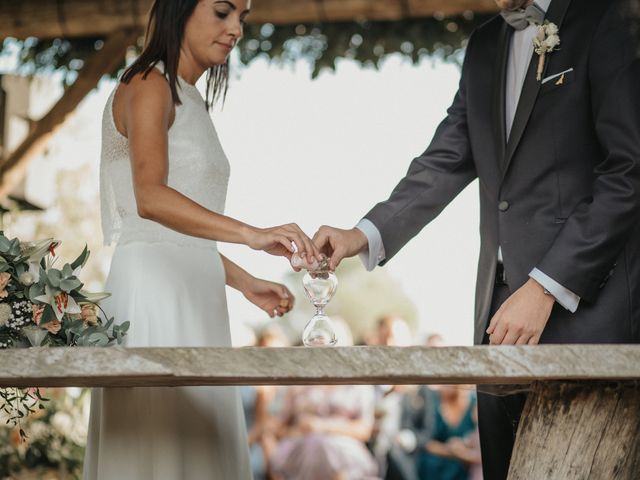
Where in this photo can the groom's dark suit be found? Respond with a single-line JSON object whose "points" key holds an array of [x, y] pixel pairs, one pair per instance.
{"points": [[563, 193]]}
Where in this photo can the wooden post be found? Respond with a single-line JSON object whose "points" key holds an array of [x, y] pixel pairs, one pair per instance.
{"points": [[103, 62], [579, 430]]}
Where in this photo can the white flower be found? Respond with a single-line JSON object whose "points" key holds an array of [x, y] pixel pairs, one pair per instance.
{"points": [[552, 29], [5, 313], [62, 422], [27, 279], [552, 42], [34, 252], [61, 303], [541, 34]]}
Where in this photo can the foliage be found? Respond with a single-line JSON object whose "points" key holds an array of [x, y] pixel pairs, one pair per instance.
{"points": [[44, 306], [365, 42], [53, 442]]}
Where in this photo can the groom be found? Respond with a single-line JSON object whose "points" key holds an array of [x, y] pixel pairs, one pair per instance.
{"points": [[555, 144]]}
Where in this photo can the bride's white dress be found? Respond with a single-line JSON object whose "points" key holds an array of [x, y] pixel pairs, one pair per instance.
{"points": [[172, 289]]}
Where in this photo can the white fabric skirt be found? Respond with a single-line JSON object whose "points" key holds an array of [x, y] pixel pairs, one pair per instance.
{"points": [[173, 296]]}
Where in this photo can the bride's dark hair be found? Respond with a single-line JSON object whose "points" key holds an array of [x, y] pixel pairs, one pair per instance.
{"points": [[163, 41]]}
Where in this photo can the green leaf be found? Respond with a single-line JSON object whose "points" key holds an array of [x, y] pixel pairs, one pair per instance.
{"points": [[67, 271], [70, 284], [81, 260], [21, 268], [5, 244], [14, 248], [48, 315], [36, 290], [93, 297], [98, 339], [55, 277]]}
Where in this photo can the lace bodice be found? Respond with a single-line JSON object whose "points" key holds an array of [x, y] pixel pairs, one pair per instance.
{"points": [[198, 168]]}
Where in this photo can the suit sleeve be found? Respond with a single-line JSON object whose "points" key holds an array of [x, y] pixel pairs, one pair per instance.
{"points": [[434, 178], [593, 237]]}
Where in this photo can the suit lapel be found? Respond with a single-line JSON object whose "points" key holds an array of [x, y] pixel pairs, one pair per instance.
{"points": [[500, 93], [531, 88]]}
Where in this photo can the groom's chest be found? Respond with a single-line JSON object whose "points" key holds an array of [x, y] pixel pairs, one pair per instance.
{"points": [[562, 95]]}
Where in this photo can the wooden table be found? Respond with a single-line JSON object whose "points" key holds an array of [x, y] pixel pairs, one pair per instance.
{"points": [[581, 420]]}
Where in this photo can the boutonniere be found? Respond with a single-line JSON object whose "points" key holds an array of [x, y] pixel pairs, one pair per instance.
{"points": [[547, 40]]}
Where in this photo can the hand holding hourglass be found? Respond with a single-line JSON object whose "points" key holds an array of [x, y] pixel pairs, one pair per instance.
{"points": [[320, 285]]}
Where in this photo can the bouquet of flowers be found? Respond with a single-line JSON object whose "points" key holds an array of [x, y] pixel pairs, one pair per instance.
{"points": [[41, 305]]}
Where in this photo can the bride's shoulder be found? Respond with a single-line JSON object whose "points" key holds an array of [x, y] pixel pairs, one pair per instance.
{"points": [[147, 85], [142, 96]]}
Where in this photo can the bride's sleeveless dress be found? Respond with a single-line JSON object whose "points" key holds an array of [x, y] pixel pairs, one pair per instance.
{"points": [[172, 289]]}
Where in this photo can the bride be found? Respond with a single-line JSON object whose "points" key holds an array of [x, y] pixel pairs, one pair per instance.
{"points": [[164, 180]]}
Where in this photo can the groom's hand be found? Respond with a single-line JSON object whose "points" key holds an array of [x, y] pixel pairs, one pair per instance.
{"points": [[337, 244], [522, 318]]}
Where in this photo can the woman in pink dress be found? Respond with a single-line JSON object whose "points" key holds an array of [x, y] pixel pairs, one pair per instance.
{"points": [[324, 430]]}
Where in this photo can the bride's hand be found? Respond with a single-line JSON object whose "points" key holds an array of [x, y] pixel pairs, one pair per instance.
{"points": [[273, 298], [280, 241]]}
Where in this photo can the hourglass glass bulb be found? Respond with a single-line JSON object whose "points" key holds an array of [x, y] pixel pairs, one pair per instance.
{"points": [[319, 332]]}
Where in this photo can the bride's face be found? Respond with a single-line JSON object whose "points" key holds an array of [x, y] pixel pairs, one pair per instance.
{"points": [[213, 30]]}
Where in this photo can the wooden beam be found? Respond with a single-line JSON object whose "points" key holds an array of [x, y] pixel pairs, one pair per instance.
{"points": [[117, 366], [77, 18], [104, 61]]}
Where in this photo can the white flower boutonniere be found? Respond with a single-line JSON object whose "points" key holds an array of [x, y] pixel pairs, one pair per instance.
{"points": [[547, 40]]}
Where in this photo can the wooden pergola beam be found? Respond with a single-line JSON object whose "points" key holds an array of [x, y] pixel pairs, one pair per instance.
{"points": [[107, 59], [80, 18]]}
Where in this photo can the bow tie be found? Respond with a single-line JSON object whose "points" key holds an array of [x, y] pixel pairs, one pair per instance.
{"points": [[521, 19]]}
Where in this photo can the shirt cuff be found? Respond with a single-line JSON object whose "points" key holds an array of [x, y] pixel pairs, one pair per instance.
{"points": [[563, 296], [375, 253]]}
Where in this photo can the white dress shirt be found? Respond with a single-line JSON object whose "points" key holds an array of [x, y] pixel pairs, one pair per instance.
{"points": [[520, 55]]}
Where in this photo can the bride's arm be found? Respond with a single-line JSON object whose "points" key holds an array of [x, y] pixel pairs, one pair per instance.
{"points": [[146, 115], [273, 298]]}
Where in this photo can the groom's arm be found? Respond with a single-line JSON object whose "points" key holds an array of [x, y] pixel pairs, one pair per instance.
{"points": [[433, 180]]}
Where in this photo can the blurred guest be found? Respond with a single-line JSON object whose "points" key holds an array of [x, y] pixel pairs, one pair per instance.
{"points": [[417, 421], [391, 331], [446, 456], [324, 430], [263, 406]]}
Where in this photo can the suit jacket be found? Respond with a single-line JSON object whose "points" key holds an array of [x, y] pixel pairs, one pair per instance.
{"points": [[563, 194]]}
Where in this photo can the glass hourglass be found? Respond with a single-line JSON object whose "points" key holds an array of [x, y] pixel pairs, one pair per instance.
{"points": [[320, 285]]}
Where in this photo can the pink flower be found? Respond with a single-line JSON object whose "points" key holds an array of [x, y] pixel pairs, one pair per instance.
{"points": [[37, 310], [88, 314], [53, 326], [4, 281]]}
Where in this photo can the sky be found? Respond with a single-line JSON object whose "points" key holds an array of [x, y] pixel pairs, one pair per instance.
{"points": [[317, 152]]}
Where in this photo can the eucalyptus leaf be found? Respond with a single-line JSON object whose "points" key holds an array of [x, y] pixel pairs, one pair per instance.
{"points": [[21, 268], [14, 248], [54, 277], [5, 244], [67, 271], [70, 284], [36, 290], [98, 339]]}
